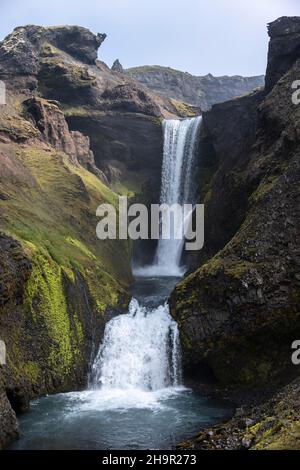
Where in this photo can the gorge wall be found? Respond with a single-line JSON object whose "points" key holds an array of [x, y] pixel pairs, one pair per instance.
{"points": [[239, 311], [73, 135]]}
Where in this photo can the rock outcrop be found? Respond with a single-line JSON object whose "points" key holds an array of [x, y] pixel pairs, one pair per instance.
{"points": [[19, 52], [284, 48], [239, 312], [9, 425], [57, 282], [202, 92], [50, 120], [271, 424], [59, 64], [117, 66]]}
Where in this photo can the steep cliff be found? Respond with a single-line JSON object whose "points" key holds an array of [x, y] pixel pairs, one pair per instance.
{"points": [[239, 311], [58, 283], [59, 63], [202, 92]]}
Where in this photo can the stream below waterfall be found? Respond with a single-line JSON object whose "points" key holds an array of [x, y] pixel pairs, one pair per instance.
{"points": [[136, 399]]}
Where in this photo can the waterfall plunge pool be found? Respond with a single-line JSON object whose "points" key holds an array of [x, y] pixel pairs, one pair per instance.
{"points": [[136, 400]]}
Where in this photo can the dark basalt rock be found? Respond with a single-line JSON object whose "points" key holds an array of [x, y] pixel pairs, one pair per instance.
{"points": [[9, 426], [265, 423], [79, 42], [284, 48], [239, 312], [19, 52]]}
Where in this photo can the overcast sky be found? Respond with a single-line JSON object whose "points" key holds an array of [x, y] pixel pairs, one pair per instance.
{"points": [[223, 37]]}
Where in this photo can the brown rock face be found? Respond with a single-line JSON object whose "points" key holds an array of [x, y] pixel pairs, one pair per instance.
{"points": [[50, 121], [59, 64], [239, 312]]}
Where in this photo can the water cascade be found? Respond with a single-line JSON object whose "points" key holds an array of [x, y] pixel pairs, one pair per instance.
{"points": [[140, 351], [180, 138]]}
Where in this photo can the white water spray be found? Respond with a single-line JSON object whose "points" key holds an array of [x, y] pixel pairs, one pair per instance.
{"points": [[140, 351]]}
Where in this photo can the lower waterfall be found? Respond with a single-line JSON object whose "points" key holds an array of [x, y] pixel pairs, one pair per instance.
{"points": [[140, 350]]}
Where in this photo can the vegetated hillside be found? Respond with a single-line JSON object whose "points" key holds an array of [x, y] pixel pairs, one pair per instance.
{"points": [[198, 91], [73, 135], [239, 312]]}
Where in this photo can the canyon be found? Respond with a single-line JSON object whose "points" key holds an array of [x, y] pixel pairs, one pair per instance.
{"points": [[75, 134]]}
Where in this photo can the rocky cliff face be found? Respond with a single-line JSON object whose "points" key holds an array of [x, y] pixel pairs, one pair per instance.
{"points": [[59, 63], [57, 282], [63, 149], [202, 92], [240, 312]]}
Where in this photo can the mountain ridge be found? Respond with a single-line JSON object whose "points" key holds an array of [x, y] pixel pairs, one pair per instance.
{"points": [[202, 91]]}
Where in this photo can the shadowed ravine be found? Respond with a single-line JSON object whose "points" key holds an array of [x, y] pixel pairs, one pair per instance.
{"points": [[136, 399]]}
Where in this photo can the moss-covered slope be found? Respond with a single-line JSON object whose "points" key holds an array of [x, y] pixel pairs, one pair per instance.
{"points": [[58, 282]]}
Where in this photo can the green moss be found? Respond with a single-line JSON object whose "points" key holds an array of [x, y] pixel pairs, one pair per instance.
{"points": [[158, 121], [78, 244], [184, 109], [79, 330], [263, 189], [238, 269], [32, 371], [48, 50], [80, 111], [129, 186], [51, 210], [17, 128], [154, 69], [46, 299], [69, 273]]}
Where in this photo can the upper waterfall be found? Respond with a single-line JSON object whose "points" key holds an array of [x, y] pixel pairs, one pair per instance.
{"points": [[180, 137]]}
